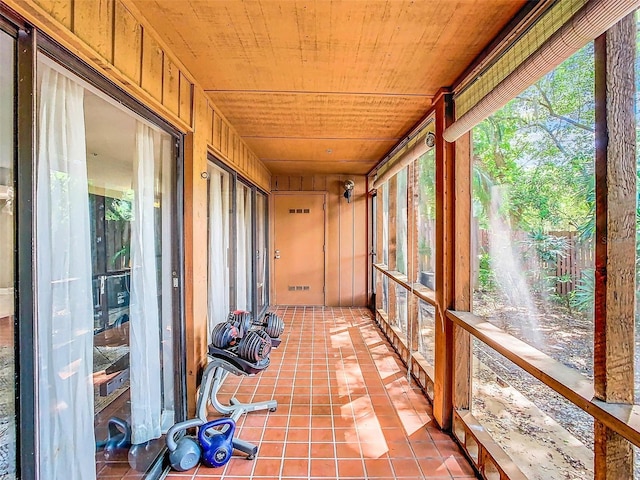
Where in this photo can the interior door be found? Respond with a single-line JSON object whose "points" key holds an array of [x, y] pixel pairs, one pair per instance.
{"points": [[299, 231]]}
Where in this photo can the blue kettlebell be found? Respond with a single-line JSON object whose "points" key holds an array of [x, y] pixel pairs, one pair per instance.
{"points": [[185, 453], [118, 438], [217, 447]]}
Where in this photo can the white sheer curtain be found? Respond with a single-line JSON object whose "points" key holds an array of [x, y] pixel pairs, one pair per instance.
{"points": [[241, 251], [146, 380], [64, 300], [261, 265], [248, 247], [218, 297]]}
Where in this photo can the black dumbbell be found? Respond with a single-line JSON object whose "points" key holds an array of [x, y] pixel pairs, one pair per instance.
{"points": [[255, 346], [242, 320], [272, 324], [225, 335]]}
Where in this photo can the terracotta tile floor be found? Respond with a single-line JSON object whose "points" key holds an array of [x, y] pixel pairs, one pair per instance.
{"points": [[345, 408]]}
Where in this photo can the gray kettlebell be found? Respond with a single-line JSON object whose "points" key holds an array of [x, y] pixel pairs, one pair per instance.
{"points": [[118, 438], [185, 453]]}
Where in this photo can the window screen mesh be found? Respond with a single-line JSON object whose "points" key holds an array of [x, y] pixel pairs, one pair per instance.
{"points": [[528, 43]]}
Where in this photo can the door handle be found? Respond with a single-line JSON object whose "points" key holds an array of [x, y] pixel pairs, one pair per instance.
{"points": [[277, 255]]}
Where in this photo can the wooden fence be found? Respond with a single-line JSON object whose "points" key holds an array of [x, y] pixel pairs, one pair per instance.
{"points": [[568, 265]]}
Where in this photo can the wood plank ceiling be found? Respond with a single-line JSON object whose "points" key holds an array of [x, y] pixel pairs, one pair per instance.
{"points": [[326, 86]]}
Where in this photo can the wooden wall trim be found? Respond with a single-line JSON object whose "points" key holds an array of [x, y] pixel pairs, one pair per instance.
{"points": [[241, 158], [417, 289], [575, 387], [226, 145], [399, 342], [488, 450], [54, 19]]}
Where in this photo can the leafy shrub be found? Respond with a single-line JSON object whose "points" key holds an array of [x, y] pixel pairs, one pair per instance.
{"points": [[486, 277], [582, 295]]}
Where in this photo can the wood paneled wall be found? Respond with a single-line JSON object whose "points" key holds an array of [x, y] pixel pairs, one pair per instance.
{"points": [[113, 37], [346, 276]]}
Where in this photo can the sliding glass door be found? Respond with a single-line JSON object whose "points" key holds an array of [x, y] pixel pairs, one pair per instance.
{"points": [[237, 255], [244, 247], [107, 281], [7, 258], [262, 259]]}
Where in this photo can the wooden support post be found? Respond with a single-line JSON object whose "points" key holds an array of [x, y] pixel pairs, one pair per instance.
{"points": [[392, 184], [445, 245], [462, 271], [615, 239], [195, 239], [412, 257]]}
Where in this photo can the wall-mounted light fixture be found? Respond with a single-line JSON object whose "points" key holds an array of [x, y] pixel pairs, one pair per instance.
{"points": [[349, 185], [430, 140]]}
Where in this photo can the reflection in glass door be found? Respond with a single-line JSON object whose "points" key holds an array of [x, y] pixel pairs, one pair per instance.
{"points": [[261, 253], [105, 273], [244, 248], [385, 245], [7, 258]]}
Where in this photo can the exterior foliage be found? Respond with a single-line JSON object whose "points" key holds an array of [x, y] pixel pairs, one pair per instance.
{"points": [[534, 175]]}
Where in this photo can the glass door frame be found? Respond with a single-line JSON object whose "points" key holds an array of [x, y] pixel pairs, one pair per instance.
{"points": [[259, 312], [236, 179], [373, 254], [28, 43], [231, 255], [24, 387], [23, 157]]}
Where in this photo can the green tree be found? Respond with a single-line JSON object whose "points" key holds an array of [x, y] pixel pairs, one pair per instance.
{"points": [[534, 166], [541, 146]]}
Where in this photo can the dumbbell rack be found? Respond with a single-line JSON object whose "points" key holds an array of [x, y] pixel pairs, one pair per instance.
{"points": [[221, 364]]}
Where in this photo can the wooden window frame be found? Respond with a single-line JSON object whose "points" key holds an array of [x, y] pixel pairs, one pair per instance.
{"points": [[609, 397]]}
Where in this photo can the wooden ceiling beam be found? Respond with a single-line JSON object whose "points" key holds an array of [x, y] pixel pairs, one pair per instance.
{"points": [[326, 69]]}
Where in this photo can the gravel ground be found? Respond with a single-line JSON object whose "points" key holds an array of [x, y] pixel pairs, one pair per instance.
{"points": [[7, 415], [562, 334]]}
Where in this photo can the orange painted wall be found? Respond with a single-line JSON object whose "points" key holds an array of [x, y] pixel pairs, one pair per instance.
{"points": [[346, 274]]}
